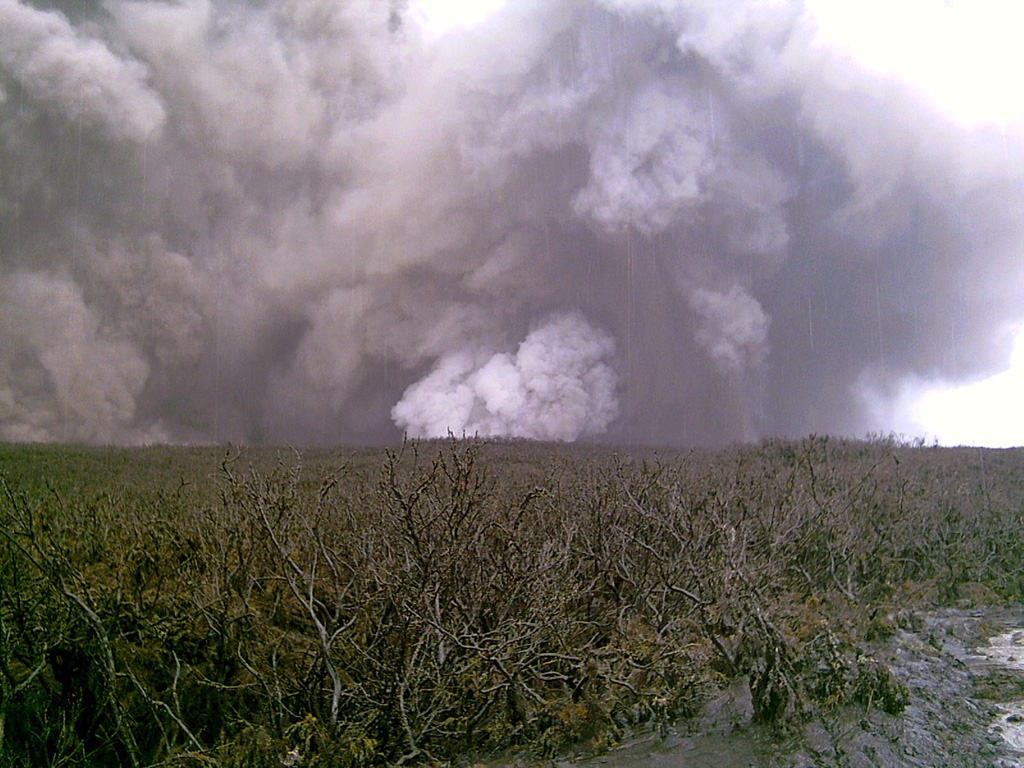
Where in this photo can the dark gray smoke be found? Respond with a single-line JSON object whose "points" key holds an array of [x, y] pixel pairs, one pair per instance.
{"points": [[307, 220]]}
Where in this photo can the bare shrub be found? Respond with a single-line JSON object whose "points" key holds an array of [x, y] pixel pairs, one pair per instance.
{"points": [[457, 597]]}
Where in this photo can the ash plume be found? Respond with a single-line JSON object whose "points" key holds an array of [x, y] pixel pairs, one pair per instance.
{"points": [[312, 221]]}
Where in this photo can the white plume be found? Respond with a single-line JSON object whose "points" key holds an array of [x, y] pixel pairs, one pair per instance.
{"points": [[559, 385]]}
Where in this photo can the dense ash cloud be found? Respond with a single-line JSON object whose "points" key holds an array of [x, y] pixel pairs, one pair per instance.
{"points": [[312, 221]]}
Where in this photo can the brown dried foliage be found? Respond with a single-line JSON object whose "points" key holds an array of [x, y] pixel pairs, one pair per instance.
{"points": [[161, 607]]}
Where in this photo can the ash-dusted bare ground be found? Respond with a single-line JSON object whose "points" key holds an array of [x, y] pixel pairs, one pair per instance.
{"points": [[955, 697]]}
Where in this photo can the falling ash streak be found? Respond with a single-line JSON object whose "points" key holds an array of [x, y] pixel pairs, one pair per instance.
{"points": [[76, 205], [810, 323], [878, 320], [711, 115], [688, 150]]}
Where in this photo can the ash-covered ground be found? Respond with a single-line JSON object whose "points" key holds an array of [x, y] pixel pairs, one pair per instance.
{"points": [[953, 718]]}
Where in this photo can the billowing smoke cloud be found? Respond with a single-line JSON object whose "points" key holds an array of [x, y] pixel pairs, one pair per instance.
{"points": [[320, 221], [78, 76], [95, 376], [558, 386], [732, 328]]}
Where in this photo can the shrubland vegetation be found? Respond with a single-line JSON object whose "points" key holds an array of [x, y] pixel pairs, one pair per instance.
{"points": [[173, 606]]}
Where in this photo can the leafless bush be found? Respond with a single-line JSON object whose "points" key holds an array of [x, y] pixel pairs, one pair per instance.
{"points": [[454, 597]]}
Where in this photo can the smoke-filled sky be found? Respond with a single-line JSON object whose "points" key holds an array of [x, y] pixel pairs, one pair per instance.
{"points": [[649, 221]]}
